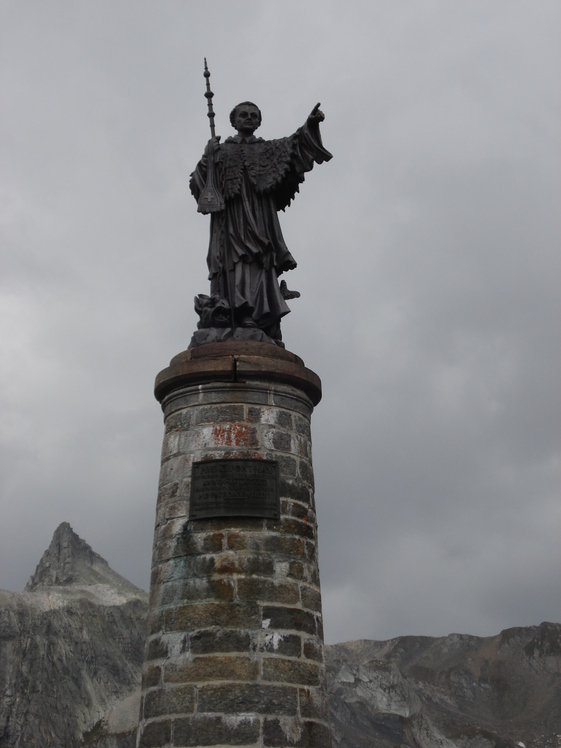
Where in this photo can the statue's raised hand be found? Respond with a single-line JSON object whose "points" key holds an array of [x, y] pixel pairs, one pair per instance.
{"points": [[316, 116]]}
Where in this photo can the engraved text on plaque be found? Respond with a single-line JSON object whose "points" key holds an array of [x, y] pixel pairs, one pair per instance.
{"points": [[234, 488]]}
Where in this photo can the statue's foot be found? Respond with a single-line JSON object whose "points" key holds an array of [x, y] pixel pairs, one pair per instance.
{"points": [[248, 322]]}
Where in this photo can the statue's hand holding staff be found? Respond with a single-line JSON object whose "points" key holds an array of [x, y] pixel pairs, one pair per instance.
{"points": [[316, 116], [212, 146]]}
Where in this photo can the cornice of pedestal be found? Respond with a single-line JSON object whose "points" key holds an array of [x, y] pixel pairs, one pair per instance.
{"points": [[237, 362]]}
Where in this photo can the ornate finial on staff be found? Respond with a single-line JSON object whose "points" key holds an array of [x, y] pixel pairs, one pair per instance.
{"points": [[211, 200], [209, 96]]}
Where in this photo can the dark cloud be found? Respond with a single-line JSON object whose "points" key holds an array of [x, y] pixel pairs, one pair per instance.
{"points": [[427, 261]]}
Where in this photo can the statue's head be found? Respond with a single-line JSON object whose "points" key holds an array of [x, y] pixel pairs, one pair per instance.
{"points": [[245, 117]]}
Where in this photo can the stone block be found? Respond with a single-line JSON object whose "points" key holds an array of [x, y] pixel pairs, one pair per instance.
{"points": [[218, 640], [252, 524], [271, 416], [301, 672], [301, 447], [203, 729], [302, 426], [311, 598], [313, 704], [227, 562], [296, 570], [170, 444], [242, 541], [168, 491], [293, 526], [156, 649], [156, 621], [151, 676], [218, 413], [176, 468], [296, 733], [179, 421], [303, 512], [236, 698], [207, 668], [222, 435], [290, 489], [261, 564], [285, 545], [288, 466], [155, 734], [289, 619], [188, 543], [311, 551], [276, 439], [169, 700], [266, 590], [193, 616], [306, 472], [176, 509], [286, 645], [197, 588], [300, 404], [313, 650]]}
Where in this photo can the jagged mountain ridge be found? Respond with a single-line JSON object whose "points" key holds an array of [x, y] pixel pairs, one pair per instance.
{"points": [[70, 561], [71, 650]]}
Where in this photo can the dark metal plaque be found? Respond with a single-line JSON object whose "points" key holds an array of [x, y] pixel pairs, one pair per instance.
{"points": [[235, 488]]}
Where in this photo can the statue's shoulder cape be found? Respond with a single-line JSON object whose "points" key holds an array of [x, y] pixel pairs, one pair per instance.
{"points": [[271, 167]]}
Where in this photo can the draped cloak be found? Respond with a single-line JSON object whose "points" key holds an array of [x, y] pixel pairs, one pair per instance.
{"points": [[257, 178]]}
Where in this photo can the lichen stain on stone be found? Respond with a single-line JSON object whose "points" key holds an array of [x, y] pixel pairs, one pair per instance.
{"points": [[275, 639], [231, 435], [292, 728]]}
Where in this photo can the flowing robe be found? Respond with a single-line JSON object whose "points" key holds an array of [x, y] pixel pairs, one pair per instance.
{"points": [[247, 251]]}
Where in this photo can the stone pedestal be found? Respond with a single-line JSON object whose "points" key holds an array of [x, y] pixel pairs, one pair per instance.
{"points": [[234, 651]]}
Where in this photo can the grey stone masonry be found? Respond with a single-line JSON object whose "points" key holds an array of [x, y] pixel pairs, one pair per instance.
{"points": [[234, 648]]}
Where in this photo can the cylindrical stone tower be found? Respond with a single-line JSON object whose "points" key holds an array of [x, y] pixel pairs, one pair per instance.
{"points": [[234, 651]]}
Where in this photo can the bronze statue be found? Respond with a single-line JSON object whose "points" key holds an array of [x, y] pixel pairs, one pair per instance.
{"points": [[243, 182]]}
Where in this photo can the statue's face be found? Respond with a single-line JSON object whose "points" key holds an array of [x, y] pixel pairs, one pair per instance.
{"points": [[247, 119]]}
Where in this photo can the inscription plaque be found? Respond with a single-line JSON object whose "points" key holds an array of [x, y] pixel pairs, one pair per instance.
{"points": [[235, 488]]}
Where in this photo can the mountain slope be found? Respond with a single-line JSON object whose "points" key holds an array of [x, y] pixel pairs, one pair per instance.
{"points": [[457, 690], [70, 646]]}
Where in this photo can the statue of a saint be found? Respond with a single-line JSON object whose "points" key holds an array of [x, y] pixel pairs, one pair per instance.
{"points": [[247, 252]]}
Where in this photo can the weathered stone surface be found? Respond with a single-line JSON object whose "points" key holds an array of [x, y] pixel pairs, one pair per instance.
{"points": [[313, 704], [190, 617], [151, 676], [156, 734], [235, 588], [169, 700], [222, 640], [211, 668], [300, 672], [288, 645], [280, 733], [242, 698], [267, 590], [289, 619], [219, 731]]}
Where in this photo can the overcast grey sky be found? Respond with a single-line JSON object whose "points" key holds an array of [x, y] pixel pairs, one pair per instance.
{"points": [[428, 262]]}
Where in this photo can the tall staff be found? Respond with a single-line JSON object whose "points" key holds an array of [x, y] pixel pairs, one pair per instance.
{"points": [[211, 200]]}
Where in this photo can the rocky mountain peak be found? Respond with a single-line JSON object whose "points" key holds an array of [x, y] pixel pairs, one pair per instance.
{"points": [[70, 561]]}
